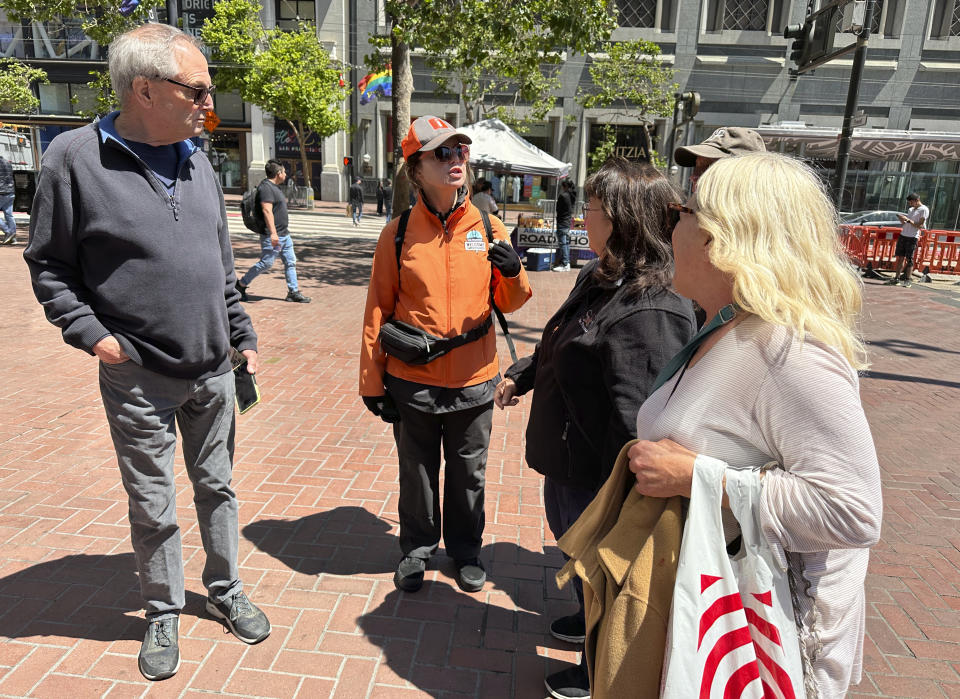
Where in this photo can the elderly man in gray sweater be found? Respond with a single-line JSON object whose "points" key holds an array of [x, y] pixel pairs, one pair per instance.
{"points": [[130, 256]]}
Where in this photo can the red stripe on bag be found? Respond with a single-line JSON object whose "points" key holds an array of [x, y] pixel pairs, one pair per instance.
{"points": [[707, 580], [723, 605], [725, 645], [764, 598], [779, 675], [763, 626], [740, 679]]}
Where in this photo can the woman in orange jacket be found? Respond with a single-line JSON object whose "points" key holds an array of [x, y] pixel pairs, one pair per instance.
{"points": [[440, 282]]}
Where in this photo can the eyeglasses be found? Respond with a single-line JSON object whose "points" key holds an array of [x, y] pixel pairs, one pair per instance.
{"points": [[199, 93], [444, 154], [673, 213], [587, 207]]}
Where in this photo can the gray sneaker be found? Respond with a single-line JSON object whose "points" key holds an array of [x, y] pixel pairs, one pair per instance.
{"points": [[160, 653], [245, 620], [9, 239]]}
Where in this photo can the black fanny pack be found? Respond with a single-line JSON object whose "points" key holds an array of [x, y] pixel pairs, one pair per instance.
{"points": [[415, 346]]}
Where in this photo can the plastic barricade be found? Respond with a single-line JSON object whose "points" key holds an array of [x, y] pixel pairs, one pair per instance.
{"points": [[942, 251], [854, 240]]}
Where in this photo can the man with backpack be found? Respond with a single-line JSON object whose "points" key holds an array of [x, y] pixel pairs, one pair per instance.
{"points": [[271, 205]]}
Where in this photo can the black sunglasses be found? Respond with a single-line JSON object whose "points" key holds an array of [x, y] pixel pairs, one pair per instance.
{"points": [[444, 154], [199, 93], [673, 213]]}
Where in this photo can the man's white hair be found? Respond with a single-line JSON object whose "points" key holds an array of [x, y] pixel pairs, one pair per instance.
{"points": [[149, 50]]}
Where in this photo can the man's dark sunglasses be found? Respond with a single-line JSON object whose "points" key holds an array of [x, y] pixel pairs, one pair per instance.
{"points": [[199, 93], [673, 214], [444, 153]]}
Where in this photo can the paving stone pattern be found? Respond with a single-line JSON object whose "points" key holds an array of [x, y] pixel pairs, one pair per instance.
{"points": [[316, 476]]}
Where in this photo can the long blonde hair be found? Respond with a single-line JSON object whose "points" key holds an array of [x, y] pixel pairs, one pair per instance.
{"points": [[775, 233]]}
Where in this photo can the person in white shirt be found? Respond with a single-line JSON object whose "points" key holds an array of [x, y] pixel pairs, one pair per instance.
{"points": [[775, 384], [916, 218]]}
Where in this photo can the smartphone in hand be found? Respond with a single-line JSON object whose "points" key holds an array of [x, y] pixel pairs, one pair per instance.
{"points": [[247, 391]]}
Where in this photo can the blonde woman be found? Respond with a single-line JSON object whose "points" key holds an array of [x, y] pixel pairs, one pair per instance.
{"points": [[775, 381]]}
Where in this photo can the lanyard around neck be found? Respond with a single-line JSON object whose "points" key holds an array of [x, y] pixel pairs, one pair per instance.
{"points": [[682, 358]]}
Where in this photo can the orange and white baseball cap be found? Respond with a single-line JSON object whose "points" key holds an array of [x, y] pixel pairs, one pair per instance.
{"points": [[428, 132]]}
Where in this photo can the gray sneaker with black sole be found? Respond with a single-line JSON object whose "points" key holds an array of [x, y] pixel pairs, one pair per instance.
{"points": [[244, 619], [160, 653]]}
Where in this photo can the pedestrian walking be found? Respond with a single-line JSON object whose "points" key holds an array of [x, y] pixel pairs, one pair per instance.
{"points": [[275, 236], [565, 203], [440, 276], [379, 198], [598, 358], [8, 192], [916, 218], [356, 201], [130, 256], [388, 199]]}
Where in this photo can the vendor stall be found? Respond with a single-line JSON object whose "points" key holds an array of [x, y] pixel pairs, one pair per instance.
{"points": [[496, 147]]}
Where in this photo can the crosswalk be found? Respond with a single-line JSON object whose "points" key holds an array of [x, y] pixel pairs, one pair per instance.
{"points": [[304, 226]]}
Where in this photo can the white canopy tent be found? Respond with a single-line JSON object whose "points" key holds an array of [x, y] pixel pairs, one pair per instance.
{"points": [[499, 148]]}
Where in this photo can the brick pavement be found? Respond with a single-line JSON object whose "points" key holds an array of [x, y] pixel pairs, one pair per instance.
{"points": [[316, 478]]}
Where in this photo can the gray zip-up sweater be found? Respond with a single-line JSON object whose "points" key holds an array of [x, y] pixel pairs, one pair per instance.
{"points": [[111, 252]]}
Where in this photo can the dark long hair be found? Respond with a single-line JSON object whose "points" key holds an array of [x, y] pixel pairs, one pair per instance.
{"points": [[634, 196]]}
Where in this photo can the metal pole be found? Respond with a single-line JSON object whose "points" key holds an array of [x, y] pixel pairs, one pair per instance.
{"points": [[673, 132], [843, 148], [172, 15]]}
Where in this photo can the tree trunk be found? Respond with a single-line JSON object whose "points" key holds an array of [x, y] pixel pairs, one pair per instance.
{"points": [[400, 102], [470, 113], [301, 134]]}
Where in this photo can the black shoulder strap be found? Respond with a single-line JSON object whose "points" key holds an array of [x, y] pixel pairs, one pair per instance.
{"points": [[398, 238], [493, 304]]}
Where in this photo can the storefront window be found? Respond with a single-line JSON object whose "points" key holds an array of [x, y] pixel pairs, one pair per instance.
{"points": [[229, 107], [226, 158], [55, 98]]}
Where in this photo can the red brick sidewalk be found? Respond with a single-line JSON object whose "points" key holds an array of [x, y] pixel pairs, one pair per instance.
{"points": [[316, 478]]}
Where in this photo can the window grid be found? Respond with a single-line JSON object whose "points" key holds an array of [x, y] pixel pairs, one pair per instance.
{"points": [[637, 13], [955, 20], [745, 15]]}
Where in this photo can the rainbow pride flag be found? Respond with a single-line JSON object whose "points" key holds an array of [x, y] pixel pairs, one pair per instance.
{"points": [[374, 85]]}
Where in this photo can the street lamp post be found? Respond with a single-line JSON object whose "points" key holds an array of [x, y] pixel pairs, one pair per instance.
{"points": [[843, 147]]}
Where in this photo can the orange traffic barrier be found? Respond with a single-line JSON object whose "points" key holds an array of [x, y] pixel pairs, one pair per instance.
{"points": [[875, 248], [943, 252]]}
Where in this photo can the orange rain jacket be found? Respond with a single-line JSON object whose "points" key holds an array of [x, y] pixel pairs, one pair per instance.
{"points": [[444, 289]]}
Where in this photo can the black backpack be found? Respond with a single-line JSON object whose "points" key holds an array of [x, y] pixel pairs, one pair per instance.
{"points": [[252, 218]]}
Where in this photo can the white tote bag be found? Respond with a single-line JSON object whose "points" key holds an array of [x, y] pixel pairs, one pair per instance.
{"points": [[732, 631]]}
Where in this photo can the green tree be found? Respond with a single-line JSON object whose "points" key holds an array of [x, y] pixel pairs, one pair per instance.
{"points": [[633, 80], [16, 86], [286, 73], [501, 56], [101, 20]]}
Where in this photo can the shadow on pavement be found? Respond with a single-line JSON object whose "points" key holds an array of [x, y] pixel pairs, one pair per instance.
{"points": [[908, 348], [342, 541], [884, 376], [432, 638], [331, 261], [80, 596]]}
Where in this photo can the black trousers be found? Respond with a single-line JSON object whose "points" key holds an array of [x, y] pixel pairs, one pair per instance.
{"points": [[563, 506], [464, 436]]}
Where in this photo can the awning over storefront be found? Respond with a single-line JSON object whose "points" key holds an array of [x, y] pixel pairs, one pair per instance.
{"points": [[866, 144], [497, 147]]}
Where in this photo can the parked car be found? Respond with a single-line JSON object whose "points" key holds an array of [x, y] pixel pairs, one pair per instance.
{"points": [[872, 218]]}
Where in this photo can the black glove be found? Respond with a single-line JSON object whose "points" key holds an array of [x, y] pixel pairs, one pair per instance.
{"points": [[505, 258], [383, 407]]}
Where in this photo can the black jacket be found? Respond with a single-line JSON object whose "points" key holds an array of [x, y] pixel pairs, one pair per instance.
{"points": [[594, 366], [356, 194], [565, 204]]}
